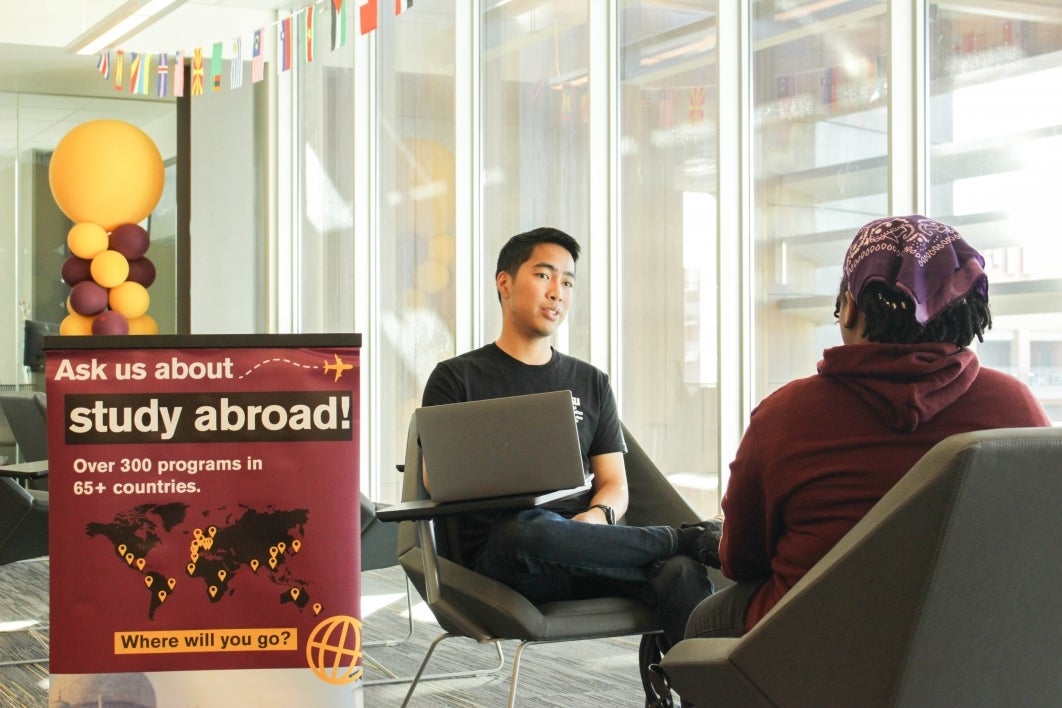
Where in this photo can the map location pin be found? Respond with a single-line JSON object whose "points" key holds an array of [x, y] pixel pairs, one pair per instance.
{"points": [[140, 563], [171, 582], [129, 557], [296, 544], [162, 596], [148, 580], [212, 530], [273, 550], [198, 533], [222, 574], [281, 546], [273, 562], [317, 608], [191, 568], [213, 589], [294, 592], [254, 564], [122, 548]]}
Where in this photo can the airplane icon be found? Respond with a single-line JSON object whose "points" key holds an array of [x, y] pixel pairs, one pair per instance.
{"points": [[339, 367]]}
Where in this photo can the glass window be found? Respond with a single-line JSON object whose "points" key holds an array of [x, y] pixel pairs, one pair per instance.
{"points": [[820, 146], [33, 229], [995, 143], [416, 301], [668, 104], [535, 116]]}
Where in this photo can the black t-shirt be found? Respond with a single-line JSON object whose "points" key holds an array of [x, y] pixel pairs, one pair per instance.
{"points": [[488, 372]]}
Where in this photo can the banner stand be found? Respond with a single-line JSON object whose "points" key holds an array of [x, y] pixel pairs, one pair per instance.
{"points": [[203, 520]]}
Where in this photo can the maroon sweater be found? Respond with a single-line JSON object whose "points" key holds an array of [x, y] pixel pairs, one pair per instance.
{"points": [[821, 451]]}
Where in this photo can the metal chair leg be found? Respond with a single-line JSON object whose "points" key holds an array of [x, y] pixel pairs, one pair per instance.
{"points": [[462, 674]]}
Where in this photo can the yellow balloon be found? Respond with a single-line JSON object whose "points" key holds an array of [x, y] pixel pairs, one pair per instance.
{"points": [[86, 239], [75, 324], [107, 172], [109, 268], [145, 324], [130, 299]]}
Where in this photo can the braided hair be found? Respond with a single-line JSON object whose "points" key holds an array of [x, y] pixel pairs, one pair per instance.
{"points": [[890, 319]]}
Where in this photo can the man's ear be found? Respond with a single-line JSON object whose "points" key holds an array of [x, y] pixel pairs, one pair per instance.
{"points": [[849, 311], [504, 282]]}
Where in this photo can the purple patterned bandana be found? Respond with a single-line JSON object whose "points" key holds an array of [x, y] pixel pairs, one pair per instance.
{"points": [[924, 259]]}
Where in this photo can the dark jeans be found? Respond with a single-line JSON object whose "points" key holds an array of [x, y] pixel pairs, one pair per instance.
{"points": [[723, 614], [547, 557]]}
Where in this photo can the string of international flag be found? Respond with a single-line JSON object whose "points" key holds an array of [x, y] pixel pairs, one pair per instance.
{"points": [[299, 28]]}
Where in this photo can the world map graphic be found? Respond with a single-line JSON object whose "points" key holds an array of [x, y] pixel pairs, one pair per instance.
{"points": [[243, 543]]}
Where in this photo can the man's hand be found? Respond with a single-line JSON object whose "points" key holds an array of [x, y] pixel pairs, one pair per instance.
{"points": [[593, 515]]}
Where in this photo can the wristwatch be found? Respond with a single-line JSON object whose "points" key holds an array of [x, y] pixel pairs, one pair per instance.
{"points": [[610, 516]]}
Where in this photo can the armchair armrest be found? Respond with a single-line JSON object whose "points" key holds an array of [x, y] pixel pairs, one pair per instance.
{"points": [[702, 672], [422, 509], [25, 470]]}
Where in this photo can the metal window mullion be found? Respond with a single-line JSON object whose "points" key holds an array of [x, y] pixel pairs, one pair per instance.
{"points": [[733, 315], [602, 76], [468, 259], [907, 107], [367, 267]]}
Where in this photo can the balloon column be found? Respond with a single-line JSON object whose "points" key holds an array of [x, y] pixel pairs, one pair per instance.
{"points": [[107, 176]]}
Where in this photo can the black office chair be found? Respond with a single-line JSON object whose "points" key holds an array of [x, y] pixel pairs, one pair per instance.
{"points": [[23, 535], [467, 604]]}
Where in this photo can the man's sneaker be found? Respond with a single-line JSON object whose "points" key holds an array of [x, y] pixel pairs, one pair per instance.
{"points": [[700, 541]]}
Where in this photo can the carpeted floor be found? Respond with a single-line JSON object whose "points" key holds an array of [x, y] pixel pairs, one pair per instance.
{"points": [[595, 673]]}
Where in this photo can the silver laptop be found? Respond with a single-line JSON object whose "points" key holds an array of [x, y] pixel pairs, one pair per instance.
{"points": [[502, 447]]}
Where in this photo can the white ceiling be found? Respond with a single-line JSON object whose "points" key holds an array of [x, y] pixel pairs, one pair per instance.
{"points": [[33, 60]]}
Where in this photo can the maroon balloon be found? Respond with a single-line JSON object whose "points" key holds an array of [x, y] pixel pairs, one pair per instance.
{"points": [[110, 322], [87, 298], [131, 240], [75, 270], [141, 271]]}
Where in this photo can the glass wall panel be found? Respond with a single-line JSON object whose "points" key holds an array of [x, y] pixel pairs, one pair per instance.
{"points": [[415, 292], [324, 128], [535, 117], [668, 107], [820, 169], [995, 143], [33, 229]]}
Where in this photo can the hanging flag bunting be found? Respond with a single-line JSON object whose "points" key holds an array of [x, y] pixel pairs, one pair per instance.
{"points": [[367, 14], [119, 58], [236, 67], [178, 75], [257, 58], [339, 23], [144, 84], [697, 96], [197, 71], [215, 67], [162, 76], [134, 71], [140, 64], [308, 34], [284, 42]]}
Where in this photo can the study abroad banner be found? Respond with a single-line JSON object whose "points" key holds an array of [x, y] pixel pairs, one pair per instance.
{"points": [[204, 531]]}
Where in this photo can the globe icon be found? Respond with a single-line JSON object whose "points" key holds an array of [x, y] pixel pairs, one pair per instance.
{"points": [[333, 650]]}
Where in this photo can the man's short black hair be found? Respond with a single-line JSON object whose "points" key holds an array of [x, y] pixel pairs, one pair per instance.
{"points": [[890, 318], [518, 249]]}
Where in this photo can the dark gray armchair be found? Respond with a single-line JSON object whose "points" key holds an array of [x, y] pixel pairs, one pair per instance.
{"points": [[946, 594], [467, 604]]}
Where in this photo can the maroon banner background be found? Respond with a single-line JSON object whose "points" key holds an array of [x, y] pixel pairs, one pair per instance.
{"points": [[203, 499]]}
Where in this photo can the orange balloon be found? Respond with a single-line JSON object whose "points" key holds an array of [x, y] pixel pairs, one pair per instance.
{"points": [[130, 298], [107, 172], [145, 324], [86, 239], [75, 324], [109, 268]]}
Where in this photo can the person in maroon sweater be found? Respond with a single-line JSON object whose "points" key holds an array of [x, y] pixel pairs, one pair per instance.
{"points": [[821, 451]]}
